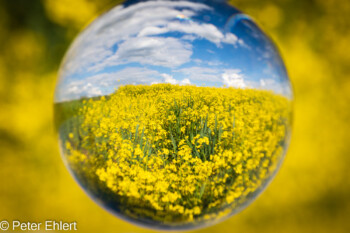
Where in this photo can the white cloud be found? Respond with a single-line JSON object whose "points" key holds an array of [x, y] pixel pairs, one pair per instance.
{"points": [[185, 81], [105, 83], [188, 37], [167, 52], [169, 79], [207, 31], [193, 30], [80, 89], [262, 83], [134, 35], [102, 84], [201, 73], [152, 30], [95, 44], [233, 78], [230, 39], [277, 86], [128, 29]]}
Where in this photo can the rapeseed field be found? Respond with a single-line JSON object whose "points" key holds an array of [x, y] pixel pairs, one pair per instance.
{"points": [[177, 154]]}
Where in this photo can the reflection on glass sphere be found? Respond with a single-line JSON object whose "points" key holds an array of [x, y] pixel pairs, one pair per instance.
{"points": [[173, 114]]}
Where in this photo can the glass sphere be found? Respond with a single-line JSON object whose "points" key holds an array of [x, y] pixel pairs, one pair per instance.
{"points": [[173, 114]]}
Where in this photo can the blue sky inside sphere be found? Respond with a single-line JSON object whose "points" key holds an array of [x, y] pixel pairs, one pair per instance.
{"points": [[202, 43]]}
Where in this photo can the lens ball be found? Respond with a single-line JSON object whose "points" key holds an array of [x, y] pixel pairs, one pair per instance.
{"points": [[173, 114]]}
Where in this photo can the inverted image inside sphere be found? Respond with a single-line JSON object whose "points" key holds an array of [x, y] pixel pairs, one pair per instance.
{"points": [[173, 114]]}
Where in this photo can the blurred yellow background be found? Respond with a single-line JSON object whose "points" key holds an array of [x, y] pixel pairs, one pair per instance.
{"points": [[311, 193]]}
